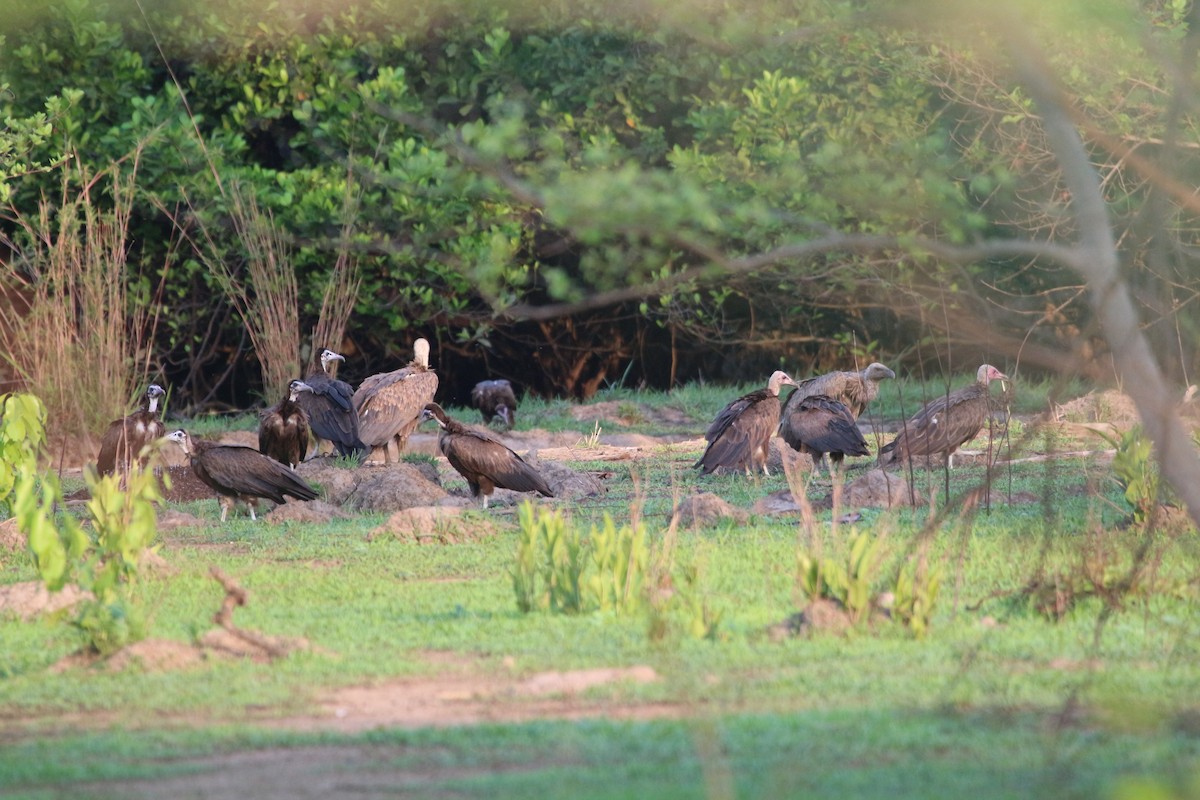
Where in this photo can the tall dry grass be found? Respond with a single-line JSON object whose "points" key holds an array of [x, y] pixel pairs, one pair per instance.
{"points": [[341, 290], [265, 292], [70, 328]]}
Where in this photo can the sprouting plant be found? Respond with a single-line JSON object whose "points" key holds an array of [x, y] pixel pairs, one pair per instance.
{"points": [[1135, 470], [104, 565], [555, 569], [592, 440], [915, 595], [620, 557], [848, 584]]}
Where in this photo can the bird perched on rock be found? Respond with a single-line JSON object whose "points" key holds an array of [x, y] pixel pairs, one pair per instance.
{"points": [[389, 404], [283, 428], [820, 425], [739, 435], [496, 403], [481, 458], [241, 473], [126, 437], [946, 422], [330, 409]]}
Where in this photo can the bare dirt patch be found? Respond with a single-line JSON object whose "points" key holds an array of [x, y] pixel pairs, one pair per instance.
{"points": [[31, 598]]}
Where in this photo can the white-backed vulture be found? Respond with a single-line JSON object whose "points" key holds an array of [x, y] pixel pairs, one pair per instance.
{"points": [[497, 403], [330, 409], [389, 404], [946, 422], [126, 437], [241, 473], [855, 389], [480, 457], [283, 428], [820, 425], [739, 435]]}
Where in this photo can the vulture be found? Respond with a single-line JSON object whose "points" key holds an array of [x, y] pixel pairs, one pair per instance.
{"points": [[283, 428], [496, 403], [389, 404], [241, 473], [126, 437], [480, 457], [330, 409], [738, 436], [854, 389], [820, 425], [946, 422]]}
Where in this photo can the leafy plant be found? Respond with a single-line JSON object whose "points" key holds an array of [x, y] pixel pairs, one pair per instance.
{"points": [[555, 569], [123, 520], [915, 595], [848, 584], [1135, 470]]}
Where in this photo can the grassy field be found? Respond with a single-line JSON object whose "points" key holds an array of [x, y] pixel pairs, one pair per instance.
{"points": [[422, 678]]}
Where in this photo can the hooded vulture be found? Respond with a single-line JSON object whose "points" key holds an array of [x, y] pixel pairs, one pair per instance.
{"points": [[739, 435], [946, 422], [496, 403], [126, 437], [481, 458], [241, 473], [330, 409], [389, 404], [283, 428], [818, 425]]}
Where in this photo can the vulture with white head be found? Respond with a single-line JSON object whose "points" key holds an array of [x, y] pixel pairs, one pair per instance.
{"points": [[330, 409], [126, 437], [946, 422], [480, 457], [497, 403], [241, 473], [389, 404], [739, 435], [283, 428]]}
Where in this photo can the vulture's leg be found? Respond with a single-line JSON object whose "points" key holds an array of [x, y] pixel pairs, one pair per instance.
{"points": [[485, 497], [225, 503], [391, 454], [250, 505]]}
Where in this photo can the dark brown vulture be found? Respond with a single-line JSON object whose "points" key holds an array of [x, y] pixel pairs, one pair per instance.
{"points": [[855, 389], [241, 473], [283, 428], [389, 404], [946, 422], [820, 425], [739, 435], [481, 458], [496, 402], [126, 437], [330, 409]]}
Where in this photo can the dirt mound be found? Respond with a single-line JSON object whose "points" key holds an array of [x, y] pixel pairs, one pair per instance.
{"points": [[707, 509], [435, 524], [1109, 406], [627, 413], [28, 599]]}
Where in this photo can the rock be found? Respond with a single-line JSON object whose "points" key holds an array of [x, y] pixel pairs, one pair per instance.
{"points": [[170, 519], [568, 484], [706, 508], [394, 488]]}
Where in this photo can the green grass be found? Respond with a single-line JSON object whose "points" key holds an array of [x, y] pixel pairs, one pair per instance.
{"points": [[997, 702]]}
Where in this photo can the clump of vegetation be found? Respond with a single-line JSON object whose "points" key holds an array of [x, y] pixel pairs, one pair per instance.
{"points": [[103, 564], [1135, 470], [558, 570]]}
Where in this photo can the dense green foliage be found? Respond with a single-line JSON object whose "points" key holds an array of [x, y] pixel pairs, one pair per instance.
{"points": [[487, 159]]}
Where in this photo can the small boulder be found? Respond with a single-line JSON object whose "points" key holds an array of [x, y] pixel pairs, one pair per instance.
{"points": [[434, 525], [336, 484], [311, 511], [877, 489]]}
